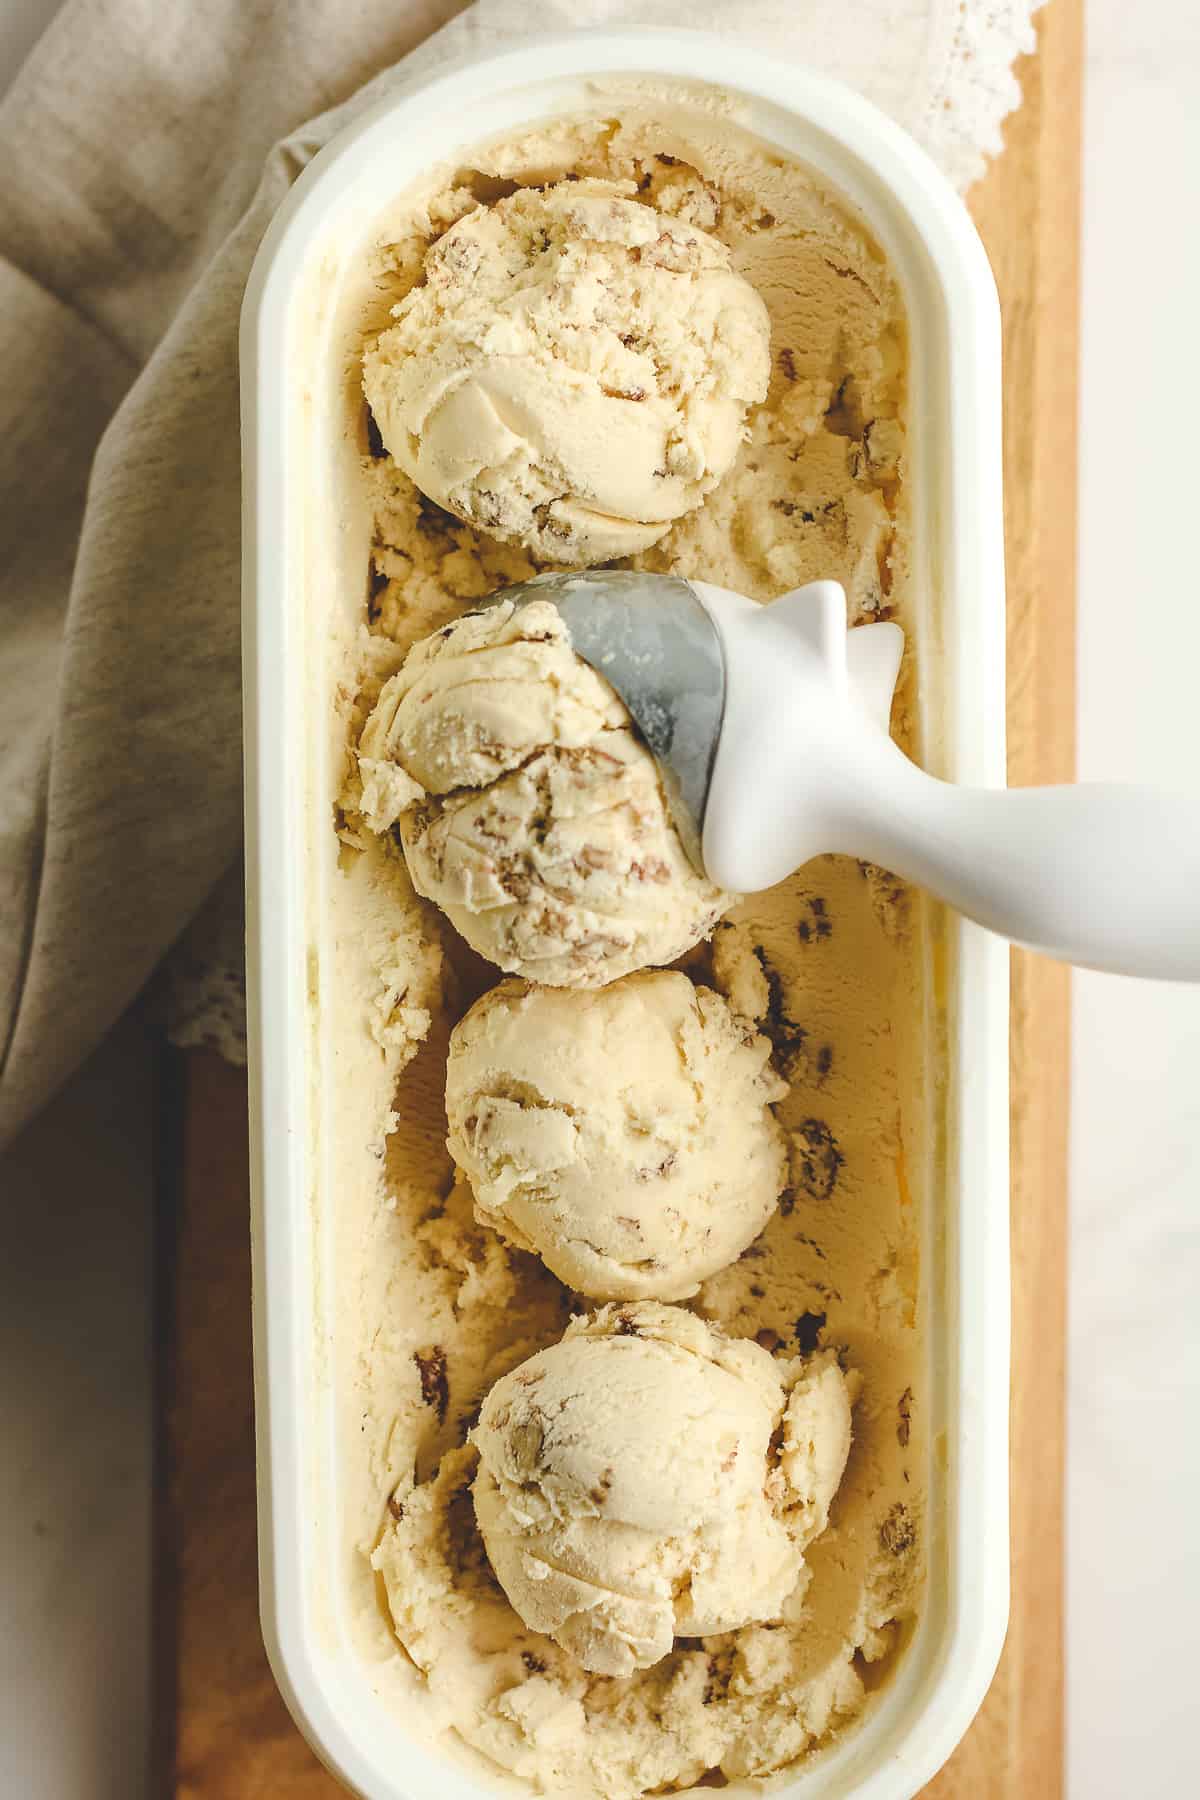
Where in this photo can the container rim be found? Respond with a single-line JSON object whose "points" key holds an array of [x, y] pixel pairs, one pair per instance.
{"points": [[976, 1621]]}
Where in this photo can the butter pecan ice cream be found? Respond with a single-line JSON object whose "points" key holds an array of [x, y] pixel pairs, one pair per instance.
{"points": [[625, 1136], [574, 372], [649, 1478], [841, 969], [528, 807]]}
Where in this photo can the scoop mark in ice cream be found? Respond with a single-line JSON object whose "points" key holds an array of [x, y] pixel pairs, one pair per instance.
{"points": [[844, 274]]}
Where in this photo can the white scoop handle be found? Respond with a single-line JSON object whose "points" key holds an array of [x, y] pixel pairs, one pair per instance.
{"points": [[1104, 876], [1101, 875]]}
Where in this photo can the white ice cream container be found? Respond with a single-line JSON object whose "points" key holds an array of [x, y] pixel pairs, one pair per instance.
{"points": [[912, 1726]]}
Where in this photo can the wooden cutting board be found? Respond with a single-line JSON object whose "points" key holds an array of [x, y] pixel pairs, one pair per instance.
{"points": [[224, 1732]]}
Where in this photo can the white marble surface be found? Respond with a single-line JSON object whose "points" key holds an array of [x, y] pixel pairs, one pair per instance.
{"points": [[1133, 1558], [76, 1212], [75, 1411]]}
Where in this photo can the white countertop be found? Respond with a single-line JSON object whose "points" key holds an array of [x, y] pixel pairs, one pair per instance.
{"points": [[75, 1326], [1133, 1552]]}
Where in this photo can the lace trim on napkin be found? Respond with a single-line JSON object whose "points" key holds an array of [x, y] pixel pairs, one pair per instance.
{"points": [[961, 123], [206, 976]]}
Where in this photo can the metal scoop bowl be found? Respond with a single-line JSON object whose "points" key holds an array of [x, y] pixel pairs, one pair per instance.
{"points": [[770, 725]]}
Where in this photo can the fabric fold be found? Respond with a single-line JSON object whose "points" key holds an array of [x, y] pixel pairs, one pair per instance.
{"points": [[146, 145]]}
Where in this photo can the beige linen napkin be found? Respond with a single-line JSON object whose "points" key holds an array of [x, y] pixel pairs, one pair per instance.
{"points": [[144, 148]]}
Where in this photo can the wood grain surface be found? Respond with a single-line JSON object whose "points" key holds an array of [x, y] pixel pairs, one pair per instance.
{"points": [[1027, 209], [225, 1734]]}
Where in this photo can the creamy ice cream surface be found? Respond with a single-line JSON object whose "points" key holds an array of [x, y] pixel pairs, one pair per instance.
{"points": [[633, 1489], [573, 372], [432, 1299], [528, 807], [625, 1136]]}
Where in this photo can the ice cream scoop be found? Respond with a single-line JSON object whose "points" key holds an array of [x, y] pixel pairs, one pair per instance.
{"points": [[770, 727]]}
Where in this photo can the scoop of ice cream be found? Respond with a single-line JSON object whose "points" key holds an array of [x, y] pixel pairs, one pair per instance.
{"points": [[528, 807], [624, 1135], [648, 1478], [574, 372]]}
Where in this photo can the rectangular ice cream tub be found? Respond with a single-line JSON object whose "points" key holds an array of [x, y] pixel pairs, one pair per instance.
{"points": [[305, 561]]}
